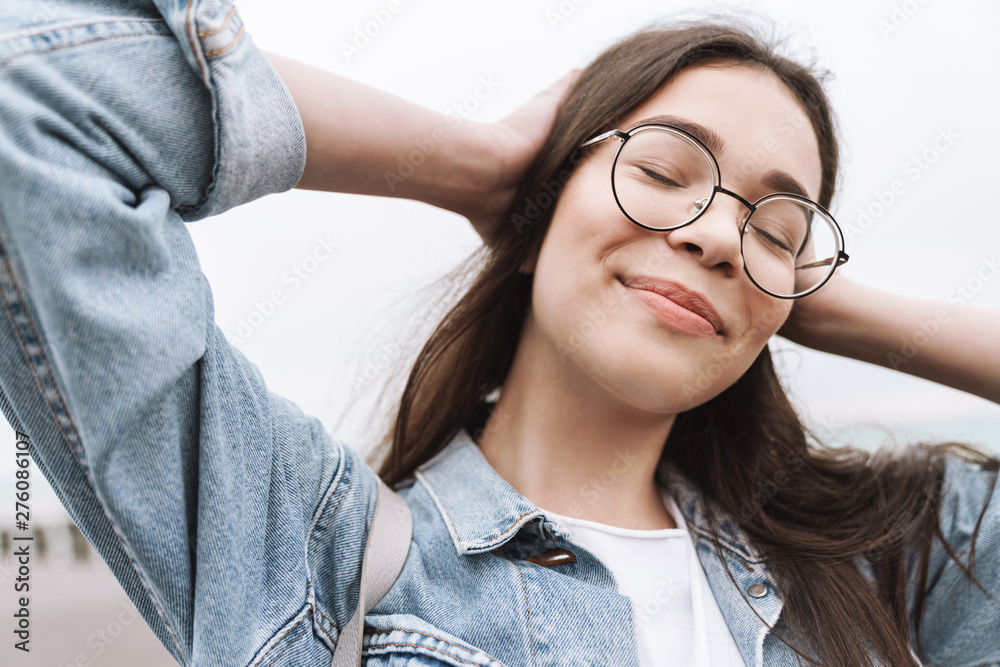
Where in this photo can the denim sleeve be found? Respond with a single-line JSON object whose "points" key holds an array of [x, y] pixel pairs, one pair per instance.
{"points": [[233, 520], [960, 621]]}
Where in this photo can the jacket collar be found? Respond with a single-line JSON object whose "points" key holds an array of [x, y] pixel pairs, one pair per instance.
{"points": [[483, 511]]}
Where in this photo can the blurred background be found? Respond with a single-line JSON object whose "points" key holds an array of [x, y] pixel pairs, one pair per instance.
{"points": [[914, 86]]}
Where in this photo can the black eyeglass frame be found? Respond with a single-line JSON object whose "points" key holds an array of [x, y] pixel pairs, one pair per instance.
{"points": [[840, 258]]}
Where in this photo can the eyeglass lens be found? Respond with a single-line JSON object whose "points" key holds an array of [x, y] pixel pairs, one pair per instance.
{"points": [[663, 181]]}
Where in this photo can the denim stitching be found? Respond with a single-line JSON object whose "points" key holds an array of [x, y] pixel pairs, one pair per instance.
{"points": [[416, 632], [69, 26], [440, 505], [326, 502], [217, 132], [331, 488], [454, 529], [329, 620], [191, 43], [427, 648], [338, 476], [745, 557], [8, 279], [531, 633], [236, 38], [205, 194], [216, 31], [68, 46], [285, 648], [288, 645], [707, 536], [494, 539], [324, 630], [315, 622]]}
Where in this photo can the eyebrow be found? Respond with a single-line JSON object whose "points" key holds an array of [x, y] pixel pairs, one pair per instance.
{"points": [[780, 181], [703, 134], [776, 180]]}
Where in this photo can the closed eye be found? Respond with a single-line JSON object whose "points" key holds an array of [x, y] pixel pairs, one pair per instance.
{"points": [[771, 239], [656, 176]]}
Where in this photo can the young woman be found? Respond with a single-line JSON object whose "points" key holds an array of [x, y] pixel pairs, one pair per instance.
{"points": [[634, 274]]}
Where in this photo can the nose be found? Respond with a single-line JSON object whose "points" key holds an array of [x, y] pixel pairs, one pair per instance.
{"points": [[714, 238]]}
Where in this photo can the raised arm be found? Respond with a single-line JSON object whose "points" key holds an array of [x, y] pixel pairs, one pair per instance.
{"points": [[364, 141], [954, 344], [235, 522]]}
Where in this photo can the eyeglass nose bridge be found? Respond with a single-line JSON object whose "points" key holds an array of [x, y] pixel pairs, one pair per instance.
{"points": [[703, 203]]}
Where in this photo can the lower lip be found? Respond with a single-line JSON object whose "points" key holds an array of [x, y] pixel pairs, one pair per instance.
{"points": [[673, 316]]}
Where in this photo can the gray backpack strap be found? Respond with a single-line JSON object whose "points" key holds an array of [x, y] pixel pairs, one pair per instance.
{"points": [[385, 551]]}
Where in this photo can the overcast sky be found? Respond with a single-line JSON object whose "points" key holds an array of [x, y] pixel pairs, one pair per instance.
{"points": [[911, 81]]}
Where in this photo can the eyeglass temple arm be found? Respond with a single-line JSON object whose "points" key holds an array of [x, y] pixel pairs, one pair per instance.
{"points": [[841, 258], [601, 137]]}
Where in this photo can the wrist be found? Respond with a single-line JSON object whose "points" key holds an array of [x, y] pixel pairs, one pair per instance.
{"points": [[468, 178], [862, 323], [829, 318]]}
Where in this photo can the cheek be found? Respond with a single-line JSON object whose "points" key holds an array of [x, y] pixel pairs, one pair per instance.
{"points": [[568, 272], [575, 306], [586, 227], [763, 317]]}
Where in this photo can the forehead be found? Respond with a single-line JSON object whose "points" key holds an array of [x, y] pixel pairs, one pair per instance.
{"points": [[760, 123]]}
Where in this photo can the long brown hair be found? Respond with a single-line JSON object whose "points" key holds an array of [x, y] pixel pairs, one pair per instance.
{"points": [[836, 507]]}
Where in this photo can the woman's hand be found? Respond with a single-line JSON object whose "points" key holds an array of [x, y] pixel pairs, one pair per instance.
{"points": [[955, 345], [516, 141]]}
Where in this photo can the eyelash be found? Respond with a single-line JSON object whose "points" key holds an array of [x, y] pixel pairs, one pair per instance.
{"points": [[772, 239], [660, 177]]}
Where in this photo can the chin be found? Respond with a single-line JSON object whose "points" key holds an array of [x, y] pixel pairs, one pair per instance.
{"points": [[667, 390]]}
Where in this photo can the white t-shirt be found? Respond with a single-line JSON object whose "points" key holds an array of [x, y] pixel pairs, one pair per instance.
{"points": [[678, 621]]}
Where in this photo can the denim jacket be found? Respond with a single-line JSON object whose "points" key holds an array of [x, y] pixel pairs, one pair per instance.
{"points": [[235, 522]]}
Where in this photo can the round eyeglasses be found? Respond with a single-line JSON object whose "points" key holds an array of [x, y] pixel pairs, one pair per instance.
{"points": [[664, 178]]}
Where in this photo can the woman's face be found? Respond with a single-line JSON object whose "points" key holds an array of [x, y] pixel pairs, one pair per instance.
{"points": [[582, 307]]}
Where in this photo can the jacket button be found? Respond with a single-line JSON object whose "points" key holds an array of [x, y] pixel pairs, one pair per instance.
{"points": [[557, 557], [757, 590]]}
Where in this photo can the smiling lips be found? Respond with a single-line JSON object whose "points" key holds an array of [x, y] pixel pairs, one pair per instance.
{"points": [[675, 306]]}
